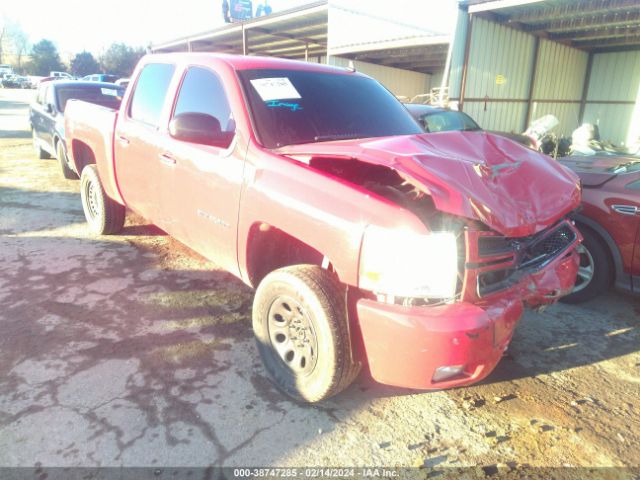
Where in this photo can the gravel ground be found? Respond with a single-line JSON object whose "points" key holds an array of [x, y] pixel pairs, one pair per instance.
{"points": [[131, 350]]}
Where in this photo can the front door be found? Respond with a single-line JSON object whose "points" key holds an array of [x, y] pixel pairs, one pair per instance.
{"points": [[201, 183]]}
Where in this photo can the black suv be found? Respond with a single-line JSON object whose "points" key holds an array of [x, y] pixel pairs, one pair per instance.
{"points": [[46, 114]]}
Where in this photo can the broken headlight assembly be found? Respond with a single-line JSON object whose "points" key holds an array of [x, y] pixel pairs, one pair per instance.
{"points": [[408, 264]]}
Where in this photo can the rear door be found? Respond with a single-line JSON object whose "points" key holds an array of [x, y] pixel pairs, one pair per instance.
{"points": [[201, 183], [38, 112], [48, 119], [138, 141]]}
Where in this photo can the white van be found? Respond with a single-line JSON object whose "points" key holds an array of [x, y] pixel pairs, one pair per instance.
{"points": [[61, 75]]}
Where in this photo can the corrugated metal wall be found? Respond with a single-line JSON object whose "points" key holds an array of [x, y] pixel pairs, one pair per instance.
{"points": [[560, 76], [400, 82], [498, 75], [613, 97]]}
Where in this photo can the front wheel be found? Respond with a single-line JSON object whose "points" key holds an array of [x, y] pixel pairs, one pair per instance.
{"points": [[595, 270], [104, 215], [64, 163], [301, 329], [41, 154]]}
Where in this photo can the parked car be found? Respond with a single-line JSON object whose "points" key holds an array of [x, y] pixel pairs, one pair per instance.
{"points": [[5, 69], [100, 77], [315, 185], [609, 223], [438, 119], [14, 81], [61, 75], [46, 114]]}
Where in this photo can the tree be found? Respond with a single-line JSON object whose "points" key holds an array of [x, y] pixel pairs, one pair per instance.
{"points": [[84, 64], [120, 59], [20, 44], [44, 58]]}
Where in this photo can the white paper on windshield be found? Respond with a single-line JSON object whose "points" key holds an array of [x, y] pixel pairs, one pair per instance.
{"points": [[109, 91], [275, 88]]}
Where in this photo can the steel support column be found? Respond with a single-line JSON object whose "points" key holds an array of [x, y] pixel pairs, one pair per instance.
{"points": [[532, 84], [465, 65]]}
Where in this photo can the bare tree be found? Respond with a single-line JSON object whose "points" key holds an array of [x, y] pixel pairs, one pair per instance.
{"points": [[20, 44], [3, 35], [14, 42]]}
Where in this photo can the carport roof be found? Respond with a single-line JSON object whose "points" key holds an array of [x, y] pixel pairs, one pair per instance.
{"points": [[591, 25], [288, 34], [303, 32]]}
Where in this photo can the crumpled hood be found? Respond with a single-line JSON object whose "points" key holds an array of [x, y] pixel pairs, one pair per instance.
{"points": [[477, 175]]}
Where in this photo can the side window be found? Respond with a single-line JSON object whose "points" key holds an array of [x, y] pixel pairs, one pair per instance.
{"points": [[48, 98], [41, 94], [150, 93], [202, 92]]}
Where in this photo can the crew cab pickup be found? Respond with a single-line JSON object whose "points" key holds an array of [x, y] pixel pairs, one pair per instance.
{"points": [[369, 242]]}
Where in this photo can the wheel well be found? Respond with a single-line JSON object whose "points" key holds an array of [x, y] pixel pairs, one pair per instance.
{"points": [[605, 245], [82, 155], [269, 248]]}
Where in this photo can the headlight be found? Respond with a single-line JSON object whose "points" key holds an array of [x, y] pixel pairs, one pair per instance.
{"points": [[407, 264]]}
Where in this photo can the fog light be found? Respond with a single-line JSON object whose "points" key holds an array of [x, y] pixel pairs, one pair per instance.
{"points": [[447, 372]]}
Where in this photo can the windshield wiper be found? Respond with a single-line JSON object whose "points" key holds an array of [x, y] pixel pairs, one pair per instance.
{"points": [[337, 136], [623, 167]]}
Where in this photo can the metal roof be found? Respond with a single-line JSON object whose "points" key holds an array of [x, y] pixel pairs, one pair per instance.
{"points": [[590, 25], [302, 32], [428, 57], [293, 33]]}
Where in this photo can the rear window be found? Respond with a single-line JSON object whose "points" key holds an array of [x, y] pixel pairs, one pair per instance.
{"points": [[150, 93], [293, 106], [447, 121], [100, 95]]}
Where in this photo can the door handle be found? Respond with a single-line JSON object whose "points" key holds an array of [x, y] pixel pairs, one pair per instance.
{"points": [[167, 159], [626, 209], [123, 140]]}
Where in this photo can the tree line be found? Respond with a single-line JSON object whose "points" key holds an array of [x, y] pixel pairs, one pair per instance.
{"points": [[43, 57]]}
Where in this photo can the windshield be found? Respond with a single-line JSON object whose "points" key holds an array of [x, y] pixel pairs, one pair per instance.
{"points": [[292, 106], [446, 121], [100, 95], [628, 167]]}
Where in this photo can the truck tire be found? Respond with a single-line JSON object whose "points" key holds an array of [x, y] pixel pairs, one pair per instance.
{"points": [[300, 324], [104, 215], [596, 269], [42, 154], [64, 163]]}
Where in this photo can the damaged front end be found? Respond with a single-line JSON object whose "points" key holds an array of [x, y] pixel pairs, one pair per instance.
{"points": [[439, 307]]}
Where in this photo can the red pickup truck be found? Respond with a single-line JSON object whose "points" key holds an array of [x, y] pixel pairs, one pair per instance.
{"points": [[369, 241]]}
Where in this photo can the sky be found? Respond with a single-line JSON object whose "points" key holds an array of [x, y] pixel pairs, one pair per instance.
{"points": [[93, 25]]}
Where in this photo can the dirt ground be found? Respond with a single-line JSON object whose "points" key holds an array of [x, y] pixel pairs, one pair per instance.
{"points": [[131, 350]]}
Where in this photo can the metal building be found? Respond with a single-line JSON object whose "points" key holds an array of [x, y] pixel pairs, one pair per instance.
{"points": [[516, 60], [407, 58]]}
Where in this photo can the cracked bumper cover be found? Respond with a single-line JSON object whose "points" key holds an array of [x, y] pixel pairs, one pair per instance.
{"points": [[405, 345]]}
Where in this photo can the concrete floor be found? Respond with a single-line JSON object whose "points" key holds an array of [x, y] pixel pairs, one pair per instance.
{"points": [[131, 350]]}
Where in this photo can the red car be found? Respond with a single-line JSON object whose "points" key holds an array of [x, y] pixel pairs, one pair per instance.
{"points": [[609, 223], [368, 240]]}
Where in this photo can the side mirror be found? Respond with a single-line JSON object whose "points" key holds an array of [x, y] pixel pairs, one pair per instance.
{"points": [[48, 108], [199, 128]]}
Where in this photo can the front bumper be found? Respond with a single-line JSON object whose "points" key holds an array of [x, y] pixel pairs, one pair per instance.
{"points": [[405, 346]]}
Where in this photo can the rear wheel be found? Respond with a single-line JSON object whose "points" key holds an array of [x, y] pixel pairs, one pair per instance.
{"points": [[42, 154], [64, 163], [300, 324], [595, 270], [104, 215]]}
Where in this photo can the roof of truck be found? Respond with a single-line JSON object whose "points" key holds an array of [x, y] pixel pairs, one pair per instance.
{"points": [[247, 62]]}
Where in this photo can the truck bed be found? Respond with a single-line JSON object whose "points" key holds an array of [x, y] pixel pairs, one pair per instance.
{"points": [[95, 125]]}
